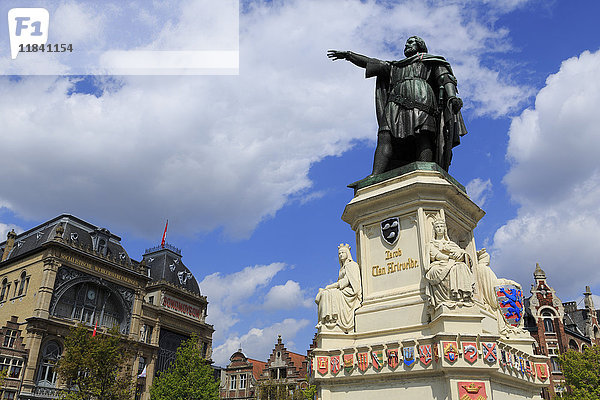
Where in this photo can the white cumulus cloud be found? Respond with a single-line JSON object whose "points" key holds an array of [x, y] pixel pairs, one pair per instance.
{"points": [[287, 296], [226, 151], [479, 190], [258, 343], [555, 177]]}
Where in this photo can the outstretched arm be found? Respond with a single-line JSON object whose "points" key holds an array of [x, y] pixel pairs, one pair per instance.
{"points": [[356, 59]]}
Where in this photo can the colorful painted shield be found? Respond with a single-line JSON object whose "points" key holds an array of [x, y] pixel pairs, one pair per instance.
{"points": [[471, 391], [425, 354], [469, 351], [489, 352], [390, 230], [377, 356], [409, 355], [336, 365], [348, 362], [450, 351], [529, 368], [503, 360], [521, 365], [362, 361], [322, 365], [510, 301], [392, 358], [309, 367], [542, 371], [509, 360]]}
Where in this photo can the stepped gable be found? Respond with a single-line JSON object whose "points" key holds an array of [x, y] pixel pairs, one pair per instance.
{"points": [[70, 230], [165, 264], [281, 358]]}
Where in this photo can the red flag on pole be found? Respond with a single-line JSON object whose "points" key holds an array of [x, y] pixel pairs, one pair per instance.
{"points": [[162, 243], [95, 326]]}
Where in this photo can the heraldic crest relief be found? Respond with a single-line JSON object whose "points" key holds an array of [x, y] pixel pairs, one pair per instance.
{"points": [[390, 230], [510, 301]]}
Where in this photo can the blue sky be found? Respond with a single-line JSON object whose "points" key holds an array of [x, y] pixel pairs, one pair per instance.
{"points": [[251, 170]]}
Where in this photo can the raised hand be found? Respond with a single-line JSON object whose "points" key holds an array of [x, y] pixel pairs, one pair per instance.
{"points": [[337, 55]]}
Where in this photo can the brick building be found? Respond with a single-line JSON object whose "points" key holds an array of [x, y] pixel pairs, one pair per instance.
{"points": [[67, 271], [558, 327], [284, 370]]}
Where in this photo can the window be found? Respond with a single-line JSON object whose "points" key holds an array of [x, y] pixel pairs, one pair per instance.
{"points": [[12, 366], [23, 283], [573, 345], [146, 334], [5, 289], [233, 382], [151, 299], [141, 365], [8, 395], [282, 373], [50, 354], [555, 364], [15, 368], [548, 321], [243, 381], [10, 335]]}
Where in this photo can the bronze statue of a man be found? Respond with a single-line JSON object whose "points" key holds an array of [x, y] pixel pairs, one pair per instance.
{"points": [[418, 111]]}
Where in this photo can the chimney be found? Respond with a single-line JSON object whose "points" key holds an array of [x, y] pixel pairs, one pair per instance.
{"points": [[589, 303], [10, 243]]}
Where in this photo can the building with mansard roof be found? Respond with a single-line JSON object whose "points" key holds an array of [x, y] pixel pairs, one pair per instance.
{"points": [[67, 271], [558, 327]]}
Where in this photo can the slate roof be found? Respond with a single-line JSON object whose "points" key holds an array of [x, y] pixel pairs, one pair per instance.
{"points": [[165, 264], [77, 232]]}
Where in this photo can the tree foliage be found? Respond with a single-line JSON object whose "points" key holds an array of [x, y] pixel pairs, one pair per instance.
{"points": [[96, 367], [190, 377], [582, 374], [273, 390]]}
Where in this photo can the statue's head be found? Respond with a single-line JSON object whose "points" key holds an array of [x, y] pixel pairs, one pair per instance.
{"points": [[344, 253], [414, 45], [439, 227]]}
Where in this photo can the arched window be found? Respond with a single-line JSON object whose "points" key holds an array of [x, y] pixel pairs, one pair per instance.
{"points": [[4, 291], [548, 321], [573, 345], [50, 354], [23, 283], [90, 303]]}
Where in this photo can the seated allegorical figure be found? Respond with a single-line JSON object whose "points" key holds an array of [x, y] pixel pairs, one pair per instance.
{"points": [[450, 268], [338, 301]]}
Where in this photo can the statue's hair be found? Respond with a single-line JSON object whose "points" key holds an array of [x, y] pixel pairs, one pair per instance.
{"points": [[421, 46]]}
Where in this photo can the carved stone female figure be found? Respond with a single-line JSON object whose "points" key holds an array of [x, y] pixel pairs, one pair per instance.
{"points": [[449, 270], [338, 301]]}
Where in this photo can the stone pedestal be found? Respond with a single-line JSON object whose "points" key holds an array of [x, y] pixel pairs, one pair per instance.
{"points": [[398, 314]]}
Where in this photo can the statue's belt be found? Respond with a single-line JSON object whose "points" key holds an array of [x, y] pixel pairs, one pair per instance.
{"points": [[410, 104]]}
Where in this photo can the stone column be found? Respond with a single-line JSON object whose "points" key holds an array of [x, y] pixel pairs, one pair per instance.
{"points": [[34, 341], [46, 289]]}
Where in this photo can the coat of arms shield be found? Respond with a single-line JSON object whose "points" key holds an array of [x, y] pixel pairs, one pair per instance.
{"points": [[362, 361], [348, 362], [409, 355], [490, 354], [322, 365], [390, 230], [336, 365], [510, 301], [392, 358], [377, 356], [472, 391], [542, 371], [450, 351], [425, 354], [470, 351]]}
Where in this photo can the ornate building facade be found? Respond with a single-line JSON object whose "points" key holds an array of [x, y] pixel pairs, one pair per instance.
{"points": [[245, 378], [66, 272], [558, 327]]}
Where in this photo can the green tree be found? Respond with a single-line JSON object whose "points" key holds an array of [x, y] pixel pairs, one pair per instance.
{"points": [[582, 374], [273, 390], [190, 377], [96, 367]]}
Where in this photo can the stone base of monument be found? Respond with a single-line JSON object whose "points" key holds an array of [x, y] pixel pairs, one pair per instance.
{"points": [[414, 336]]}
